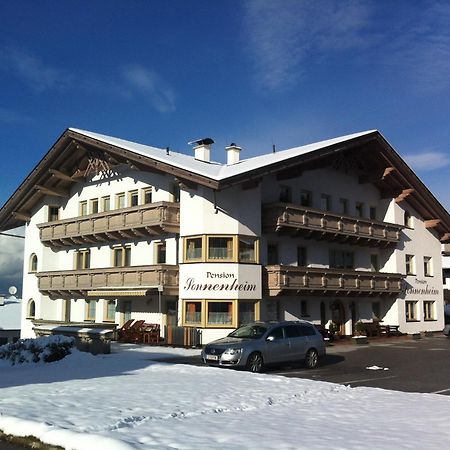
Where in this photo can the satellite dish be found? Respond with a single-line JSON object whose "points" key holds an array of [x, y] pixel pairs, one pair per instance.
{"points": [[12, 290]]}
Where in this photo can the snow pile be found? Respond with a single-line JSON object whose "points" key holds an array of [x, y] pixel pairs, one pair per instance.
{"points": [[43, 349], [377, 368], [130, 400]]}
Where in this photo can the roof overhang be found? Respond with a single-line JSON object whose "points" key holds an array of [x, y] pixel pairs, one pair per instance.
{"points": [[68, 161]]}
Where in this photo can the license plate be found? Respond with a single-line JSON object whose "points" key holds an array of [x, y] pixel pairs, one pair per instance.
{"points": [[212, 357]]}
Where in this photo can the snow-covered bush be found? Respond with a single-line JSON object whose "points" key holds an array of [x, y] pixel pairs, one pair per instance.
{"points": [[42, 349]]}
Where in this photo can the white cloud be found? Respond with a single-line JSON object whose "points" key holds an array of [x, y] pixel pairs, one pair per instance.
{"points": [[11, 260], [32, 70], [11, 117], [281, 36], [421, 48], [428, 160], [145, 81]]}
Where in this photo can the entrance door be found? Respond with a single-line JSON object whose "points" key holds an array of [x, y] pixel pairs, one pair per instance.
{"points": [[172, 313], [338, 315]]}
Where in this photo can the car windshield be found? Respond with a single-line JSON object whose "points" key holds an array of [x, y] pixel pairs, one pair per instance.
{"points": [[249, 332]]}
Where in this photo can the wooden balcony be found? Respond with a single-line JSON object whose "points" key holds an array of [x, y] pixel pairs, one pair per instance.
{"points": [[315, 224], [292, 280], [109, 282], [117, 225]]}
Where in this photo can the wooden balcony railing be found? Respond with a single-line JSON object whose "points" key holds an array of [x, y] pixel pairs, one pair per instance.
{"points": [[316, 224], [109, 282], [288, 280], [117, 225]]}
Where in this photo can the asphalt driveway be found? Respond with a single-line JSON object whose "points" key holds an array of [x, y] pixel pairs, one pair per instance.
{"points": [[400, 364]]}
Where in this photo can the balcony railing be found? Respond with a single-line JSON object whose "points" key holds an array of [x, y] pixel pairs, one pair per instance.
{"points": [[288, 280], [109, 282], [316, 224], [117, 225]]}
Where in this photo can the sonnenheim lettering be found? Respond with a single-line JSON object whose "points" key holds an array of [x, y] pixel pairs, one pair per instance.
{"points": [[235, 285]]}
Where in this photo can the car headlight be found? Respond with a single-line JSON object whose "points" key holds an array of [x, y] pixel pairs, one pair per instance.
{"points": [[233, 351]]}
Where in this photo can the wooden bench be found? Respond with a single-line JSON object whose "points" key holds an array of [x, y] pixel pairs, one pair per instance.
{"points": [[390, 330], [151, 333]]}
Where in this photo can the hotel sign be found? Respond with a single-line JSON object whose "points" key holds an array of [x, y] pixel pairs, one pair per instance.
{"points": [[419, 287], [220, 281]]}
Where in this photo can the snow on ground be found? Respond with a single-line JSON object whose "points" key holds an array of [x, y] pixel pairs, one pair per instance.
{"points": [[127, 400]]}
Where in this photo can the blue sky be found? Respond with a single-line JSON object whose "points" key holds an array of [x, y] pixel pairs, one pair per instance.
{"points": [[251, 72]]}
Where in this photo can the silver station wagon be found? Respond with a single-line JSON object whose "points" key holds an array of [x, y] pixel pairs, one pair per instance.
{"points": [[258, 344]]}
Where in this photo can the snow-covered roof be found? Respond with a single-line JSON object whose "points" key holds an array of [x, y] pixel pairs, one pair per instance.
{"points": [[216, 170]]}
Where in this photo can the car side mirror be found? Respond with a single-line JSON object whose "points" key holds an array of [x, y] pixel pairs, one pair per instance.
{"points": [[270, 338]]}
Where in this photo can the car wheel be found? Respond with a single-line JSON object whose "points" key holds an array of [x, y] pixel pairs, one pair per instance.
{"points": [[311, 359], [255, 363]]}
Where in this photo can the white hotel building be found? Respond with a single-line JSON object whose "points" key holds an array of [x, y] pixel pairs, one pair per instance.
{"points": [[337, 231]]}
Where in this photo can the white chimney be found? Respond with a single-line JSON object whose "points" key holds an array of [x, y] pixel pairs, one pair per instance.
{"points": [[202, 149], [233, 153]]}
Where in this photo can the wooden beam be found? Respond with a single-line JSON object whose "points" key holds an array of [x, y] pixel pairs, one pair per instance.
{"points": [[52, 191], [446, 237], [379, 176], [21, 216], [432, 223], [404, 194], [60, 175], [78, 175]]}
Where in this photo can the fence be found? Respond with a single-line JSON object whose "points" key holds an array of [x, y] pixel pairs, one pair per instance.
{"points": [[183, 336]]}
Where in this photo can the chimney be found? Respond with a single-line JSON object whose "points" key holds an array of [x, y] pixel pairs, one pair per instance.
{"points": [[202, 149], [233, 153]]}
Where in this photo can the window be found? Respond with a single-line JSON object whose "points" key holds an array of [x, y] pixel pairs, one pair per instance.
{"points": [[301, 257], [340, 259], [428, 310], [193, 313], [106, 203], [193, 249], [374, 264], [110, 310], [247, 249], [126, 310], [83, 209], [33, 263], [147, 195], [343, 206], [373, 213], [133, 198], [359, 208], [304, 308], [305, 198], [376, 311], [122, 256], [410, 310], [220, 248], [53, 213], [174, 192], [407, 220], [120, 200], [82, 259], [285, 195], [409, 264], [160, 250], [94, 206], [219, 313], [247, 312], [272, 254], [325, 202], [90, 310], [31, 309], [427, 267]]}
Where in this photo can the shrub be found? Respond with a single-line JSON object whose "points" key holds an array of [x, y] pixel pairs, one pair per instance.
{"points": [[360, 328], [42, 349]]}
